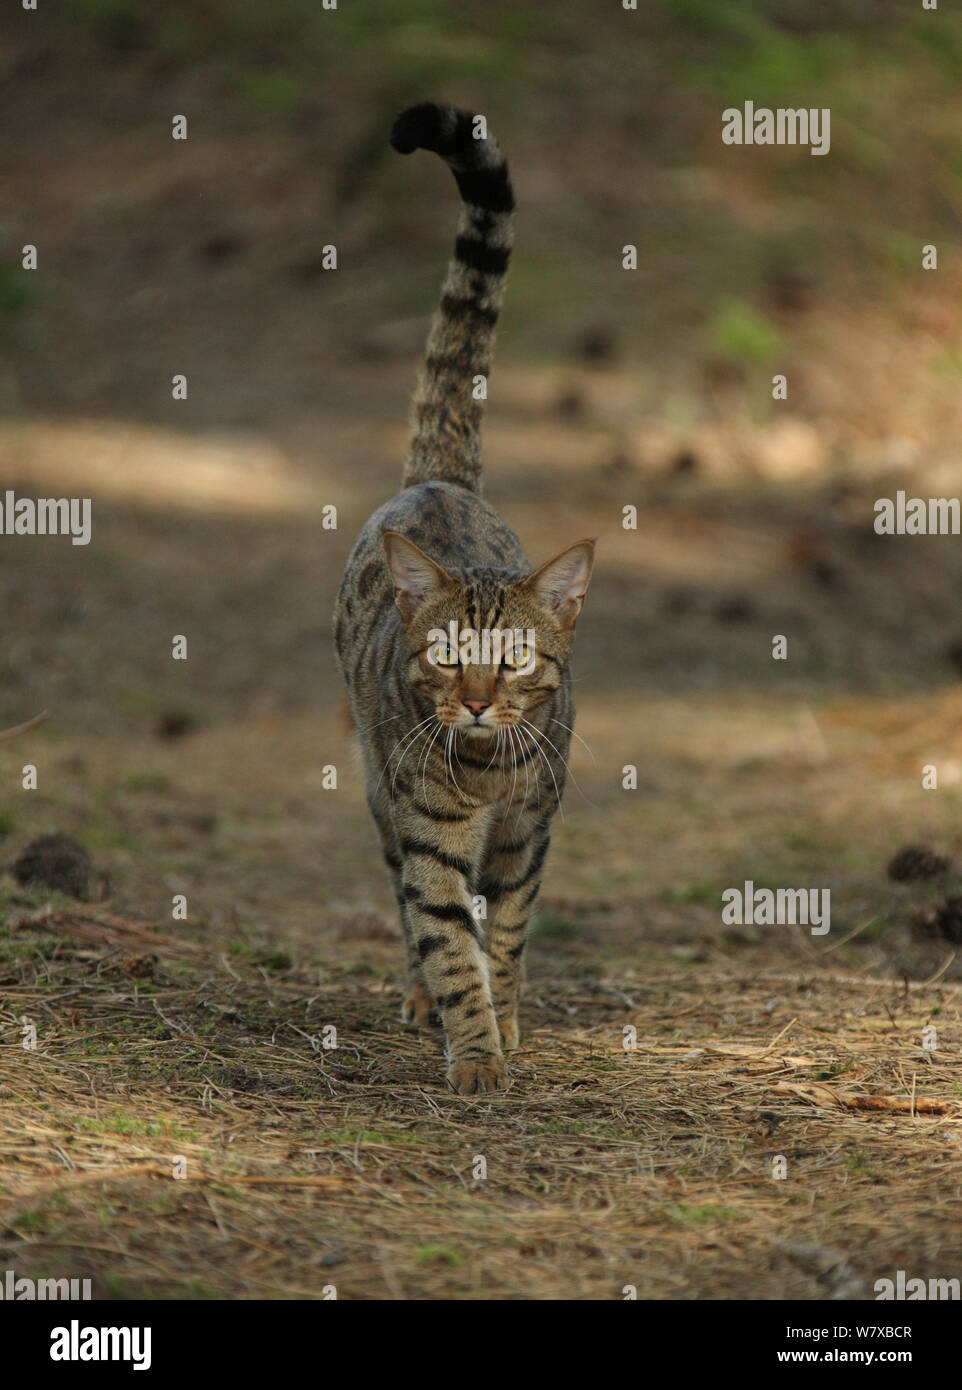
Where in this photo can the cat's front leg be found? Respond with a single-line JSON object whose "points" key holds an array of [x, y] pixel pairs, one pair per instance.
{"points": [[450, 951], [510, 884], [417, 1006]]}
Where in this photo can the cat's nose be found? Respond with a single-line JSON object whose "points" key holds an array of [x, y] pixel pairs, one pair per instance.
{"points": [[476, 706]]}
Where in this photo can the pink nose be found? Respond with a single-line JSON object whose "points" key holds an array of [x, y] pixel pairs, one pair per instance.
{"points": [[476, 706]]}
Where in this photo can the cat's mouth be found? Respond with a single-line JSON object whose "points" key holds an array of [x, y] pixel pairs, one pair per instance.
{"points": [[476, 727]]}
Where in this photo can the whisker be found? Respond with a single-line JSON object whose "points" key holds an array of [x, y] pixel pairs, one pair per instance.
{"points": [[523, 742], [526, 773], [422, 733], [447, 753], [573, 735], [454, 749], [564, 761], [368, 727], [402, 739], [514, 763], [547, 764], [524, 746], [495, 753], [424, 769]]}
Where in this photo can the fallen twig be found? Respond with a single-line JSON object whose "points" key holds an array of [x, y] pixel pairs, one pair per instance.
{"points": [[849, 1100], [158, 1170], [23, 728]]}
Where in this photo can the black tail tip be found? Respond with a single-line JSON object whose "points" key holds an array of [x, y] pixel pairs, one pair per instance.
{"points": [[427, 126]]}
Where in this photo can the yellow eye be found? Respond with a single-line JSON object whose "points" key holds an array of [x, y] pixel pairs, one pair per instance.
{"points": [[443, 654], [518, 656]]}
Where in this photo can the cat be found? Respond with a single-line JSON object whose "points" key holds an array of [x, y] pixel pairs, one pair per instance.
{"points": [[465, 754]]}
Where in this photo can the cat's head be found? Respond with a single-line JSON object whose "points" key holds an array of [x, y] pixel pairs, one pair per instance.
{"points": [[487, 648]]}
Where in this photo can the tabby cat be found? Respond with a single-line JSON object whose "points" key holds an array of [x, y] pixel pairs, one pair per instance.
{"points": [[464, 754]]}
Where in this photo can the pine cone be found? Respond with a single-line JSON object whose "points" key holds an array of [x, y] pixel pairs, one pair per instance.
{"points": [[949, 921], [943, 922], [916, 861], [58, 862]]}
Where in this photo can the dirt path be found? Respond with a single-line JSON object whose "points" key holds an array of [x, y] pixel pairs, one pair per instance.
{"points": [[301, 1166]]}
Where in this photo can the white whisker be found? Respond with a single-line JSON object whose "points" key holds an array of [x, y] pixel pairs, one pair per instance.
{"points": [[402, 739], [447, 753], [574, 735], [424, 769], [545, 760], [421, 733], [564, 761]]}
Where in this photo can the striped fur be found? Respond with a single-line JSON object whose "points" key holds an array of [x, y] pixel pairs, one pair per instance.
{"points": [[464, 765], [446, 442]]}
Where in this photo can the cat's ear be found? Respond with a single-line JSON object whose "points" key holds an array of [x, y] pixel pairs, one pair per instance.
{"points": [[416, 576], [561, 584]]}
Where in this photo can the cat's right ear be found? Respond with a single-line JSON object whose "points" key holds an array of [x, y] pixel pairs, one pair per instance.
{"points": [[416, 576]]}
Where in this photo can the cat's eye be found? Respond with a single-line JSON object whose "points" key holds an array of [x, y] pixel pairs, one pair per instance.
{"points": [[443, 654], [518, 656]]}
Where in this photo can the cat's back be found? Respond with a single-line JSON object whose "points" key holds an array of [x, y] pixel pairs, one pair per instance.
{"points": [[455, 527]]}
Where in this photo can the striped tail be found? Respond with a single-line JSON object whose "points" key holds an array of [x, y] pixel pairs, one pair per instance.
{"points": [[446, 443]]}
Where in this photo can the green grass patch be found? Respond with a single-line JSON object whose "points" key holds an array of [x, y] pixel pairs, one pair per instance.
{"points": [[740, 334], [553, 926], [147, 779], [681, 1214], [134, 1127], [432, 1254], [347, 1134]]}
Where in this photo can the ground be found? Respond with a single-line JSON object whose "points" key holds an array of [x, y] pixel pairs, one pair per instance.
{"points": [[181, 1127]]}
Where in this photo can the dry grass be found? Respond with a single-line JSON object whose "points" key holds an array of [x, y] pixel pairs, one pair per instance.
{"points": [[352, 1167]]}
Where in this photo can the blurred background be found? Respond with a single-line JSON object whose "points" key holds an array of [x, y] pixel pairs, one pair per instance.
{"points": [[650, 388], [611, 388]]}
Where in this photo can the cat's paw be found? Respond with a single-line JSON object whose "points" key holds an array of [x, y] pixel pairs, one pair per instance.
{"points": [[418, 1008], [510, 1036], [469, 1078], [420, 1011]]}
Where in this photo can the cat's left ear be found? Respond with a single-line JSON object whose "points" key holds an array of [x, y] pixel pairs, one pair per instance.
{"points": [[561, 584], [416, 576]]}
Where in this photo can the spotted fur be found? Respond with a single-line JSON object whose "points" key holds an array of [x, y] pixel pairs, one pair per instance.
{"points": [[464, 765]]}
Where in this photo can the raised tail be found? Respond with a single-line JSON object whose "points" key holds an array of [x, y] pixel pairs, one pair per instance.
{"points": [[448, 403]]}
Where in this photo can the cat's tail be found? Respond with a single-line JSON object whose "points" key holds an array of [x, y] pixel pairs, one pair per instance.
{"points": [[446, 441]]}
